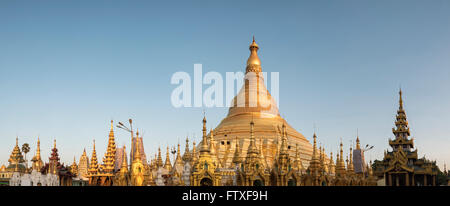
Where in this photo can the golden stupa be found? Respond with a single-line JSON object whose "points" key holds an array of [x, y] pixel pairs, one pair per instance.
{"points": [[267, 121]]}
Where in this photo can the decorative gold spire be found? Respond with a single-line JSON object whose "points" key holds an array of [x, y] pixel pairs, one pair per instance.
{"points": [[314, 165], [358, 146], [340, 164], [137, 168], [204, 149], [252, 149], [350, 164], [38, 149], [37, 161], [402, 130], [314, 155], [124, 166], [16, 157], [178, 160], [332, 167], [237, 158], [298, 160], [168, 165], [212, 148], [194, 153], [187, 155], [137, 155], [159, 161], [110, 157], [74, 167], [284, 146]]}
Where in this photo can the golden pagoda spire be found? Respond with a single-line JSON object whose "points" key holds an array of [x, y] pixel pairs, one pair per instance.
{"points": [[137, 168], [358, 146], [261, 153], [38, 149], [212, 150], [137, 155], [37, 161], [253, 62], [16, 156], [252, 149], [168, 165], [402, 130], [340, 164], [124, 166], [187, 155], [204, 149], [314, 165], [350, 165], [110, 157], [298, 160], [178, 159], [237, 158], [321, 159], [159, 162], [284, 146], [314, 155], [194, 153], [93, 167], [332, 169]]}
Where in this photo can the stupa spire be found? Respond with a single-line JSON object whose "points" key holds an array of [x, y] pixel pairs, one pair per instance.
{"points": [[124, 166], [93, 167], [204, 149], [237, 158], [167, 164], [159, 162], [38, 149], [110, 156], [194, 153]]}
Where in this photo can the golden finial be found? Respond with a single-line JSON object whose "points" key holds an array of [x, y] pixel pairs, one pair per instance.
{"points": [[400, 101], [17, 141], [358, 146], [253, 59], [112, 124], [54, 143]]}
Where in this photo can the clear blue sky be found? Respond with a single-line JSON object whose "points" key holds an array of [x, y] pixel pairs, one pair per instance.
{"points": [[68, 67]]}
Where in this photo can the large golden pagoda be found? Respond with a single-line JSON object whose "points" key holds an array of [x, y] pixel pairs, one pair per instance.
{"points": [[265, 116]]}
